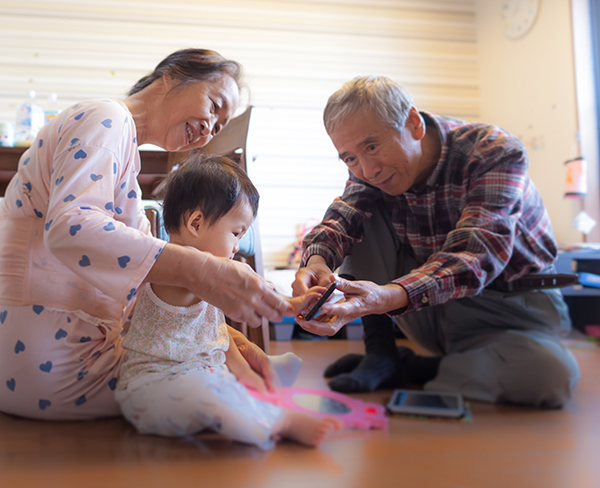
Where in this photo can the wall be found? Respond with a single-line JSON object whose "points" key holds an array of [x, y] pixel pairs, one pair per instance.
{"points": [[295, 52], [528, 87]]}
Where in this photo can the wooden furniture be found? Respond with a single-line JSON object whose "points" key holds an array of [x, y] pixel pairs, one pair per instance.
{"points": [[155, 166], [232, 141]]}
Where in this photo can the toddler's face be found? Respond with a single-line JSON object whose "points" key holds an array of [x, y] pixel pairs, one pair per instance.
{"points": [[222, 237]]}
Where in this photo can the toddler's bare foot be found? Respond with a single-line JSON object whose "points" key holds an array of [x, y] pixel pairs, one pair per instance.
{"points": [[306, 429]]}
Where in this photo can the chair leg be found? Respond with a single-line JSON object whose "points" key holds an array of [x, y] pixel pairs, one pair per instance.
{"points": [[260, 335]]}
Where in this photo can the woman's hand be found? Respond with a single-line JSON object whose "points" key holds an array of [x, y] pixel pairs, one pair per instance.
{"points": [[234, 287], [360, 298], [316, 273], [256, 358]]}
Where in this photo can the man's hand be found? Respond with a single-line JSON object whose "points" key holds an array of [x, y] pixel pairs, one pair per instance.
{"points": [[360, 298], [316, 273]]}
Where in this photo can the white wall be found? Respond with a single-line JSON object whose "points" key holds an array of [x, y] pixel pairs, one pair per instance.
{"points": [[528, 87]]}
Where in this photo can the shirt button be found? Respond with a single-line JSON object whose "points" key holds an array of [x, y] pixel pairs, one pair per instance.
{"points": [[424, 300]]}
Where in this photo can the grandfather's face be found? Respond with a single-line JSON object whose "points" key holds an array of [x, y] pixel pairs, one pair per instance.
{"points": [[379, 154], [191, 116]]}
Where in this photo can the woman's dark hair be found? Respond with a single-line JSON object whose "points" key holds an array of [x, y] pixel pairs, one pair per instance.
{"points": [[212, 185], [192, 65]]}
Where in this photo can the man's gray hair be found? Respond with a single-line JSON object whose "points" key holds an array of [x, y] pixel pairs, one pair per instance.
{"points": [[376, 94]]}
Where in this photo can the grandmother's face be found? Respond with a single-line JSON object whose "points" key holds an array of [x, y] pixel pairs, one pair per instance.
{"points": [[191, 116]]}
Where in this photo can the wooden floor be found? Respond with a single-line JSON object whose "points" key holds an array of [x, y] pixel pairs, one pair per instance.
{"points": [[504, 446]]}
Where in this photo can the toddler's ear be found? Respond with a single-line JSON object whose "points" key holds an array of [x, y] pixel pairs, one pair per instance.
{"points": [[194, 222]]}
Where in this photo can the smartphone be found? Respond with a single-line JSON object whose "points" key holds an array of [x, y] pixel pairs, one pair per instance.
{"points": [[436, 404], [313, 311]]}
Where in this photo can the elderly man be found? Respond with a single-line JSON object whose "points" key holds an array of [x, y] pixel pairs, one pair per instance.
{"points": [[441, 232]]}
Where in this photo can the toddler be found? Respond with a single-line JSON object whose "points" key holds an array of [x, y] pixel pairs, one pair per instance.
{"points": [[182, 374]]}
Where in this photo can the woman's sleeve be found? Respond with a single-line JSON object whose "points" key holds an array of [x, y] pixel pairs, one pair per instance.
{"points": [[91, 201]]}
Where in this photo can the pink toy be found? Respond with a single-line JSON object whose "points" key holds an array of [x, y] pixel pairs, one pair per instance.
{"points": [[324, 403]]}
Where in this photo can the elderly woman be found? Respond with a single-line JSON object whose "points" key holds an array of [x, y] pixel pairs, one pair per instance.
{"points": [[75, 244]]}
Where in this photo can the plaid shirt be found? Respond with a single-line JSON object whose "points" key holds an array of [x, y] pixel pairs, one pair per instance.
{"points": [[477, 218]]}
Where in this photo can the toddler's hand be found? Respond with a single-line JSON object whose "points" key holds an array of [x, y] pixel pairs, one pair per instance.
{"points": [[251, 380], [301, 302]]}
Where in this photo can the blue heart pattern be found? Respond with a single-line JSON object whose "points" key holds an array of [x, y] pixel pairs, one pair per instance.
{"points": [[3, 315], [26, 161], [19, 203], [59, 180], [123, 260], [81, 154], [112, 384], [81, 375], [46, 367], [95, 177], [27, 185], [74, 141], [41, 142], [44, 404], [12, 383], [80, 401], [110, 226], [38, 309], [74, 229], [69, 198], [48, 224], [60, 333], [107, 123], [85, 339], [132, 194], [38, 213], [84, 261], [19, 347], [78, 116], [131, 294], [109, 206]]}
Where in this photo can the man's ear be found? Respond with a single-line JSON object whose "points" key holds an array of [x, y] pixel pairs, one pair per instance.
{"points": [[416, 124], [194, 222]]}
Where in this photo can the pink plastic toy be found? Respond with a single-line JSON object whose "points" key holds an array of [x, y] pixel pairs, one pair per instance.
{"points": [[324, 403]]}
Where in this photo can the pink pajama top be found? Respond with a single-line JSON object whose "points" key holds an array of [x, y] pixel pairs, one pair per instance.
{"points": [[73, 232]]}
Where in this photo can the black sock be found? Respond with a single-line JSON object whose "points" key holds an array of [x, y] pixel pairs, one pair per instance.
{"points": [[420, 369], [380, 335], [345, 364], [379, 365], [372, 372]]}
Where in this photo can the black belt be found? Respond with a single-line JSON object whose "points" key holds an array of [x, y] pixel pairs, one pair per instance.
{"points": [[535, 282]]}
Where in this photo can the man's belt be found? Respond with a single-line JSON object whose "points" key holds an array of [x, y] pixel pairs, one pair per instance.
{"points": [[535, 282]]}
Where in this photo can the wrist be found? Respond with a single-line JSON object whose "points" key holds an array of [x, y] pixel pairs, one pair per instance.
{"points": [[395, 298], [316, 259]]}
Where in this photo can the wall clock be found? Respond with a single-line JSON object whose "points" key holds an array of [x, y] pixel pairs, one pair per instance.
{"points": [[518, 17]]}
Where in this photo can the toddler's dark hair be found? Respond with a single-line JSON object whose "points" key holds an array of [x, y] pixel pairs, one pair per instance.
{"points": [[212, 185]]}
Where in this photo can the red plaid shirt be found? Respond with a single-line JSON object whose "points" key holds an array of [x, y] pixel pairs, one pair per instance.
{"points": [[477, 218]]}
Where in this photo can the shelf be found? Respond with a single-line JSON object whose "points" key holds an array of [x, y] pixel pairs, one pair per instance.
{"points": [[155, 165]]}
